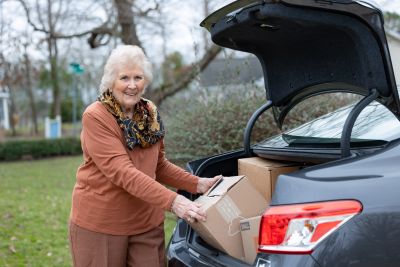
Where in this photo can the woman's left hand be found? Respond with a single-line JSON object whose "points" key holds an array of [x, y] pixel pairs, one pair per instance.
{"points": [[205, 183]]}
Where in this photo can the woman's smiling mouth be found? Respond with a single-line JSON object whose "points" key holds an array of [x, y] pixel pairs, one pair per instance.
{"points": [[131, 94]]}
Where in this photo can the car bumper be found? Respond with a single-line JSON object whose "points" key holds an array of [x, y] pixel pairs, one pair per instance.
{"points": [[180, 255]]}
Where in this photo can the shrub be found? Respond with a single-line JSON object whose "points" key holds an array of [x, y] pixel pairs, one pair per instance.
{"points": [[208, 122], [35, 149], [67, 109], [213, 121]]}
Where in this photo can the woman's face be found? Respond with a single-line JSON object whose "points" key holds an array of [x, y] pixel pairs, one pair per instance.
{"points": [[129, 86]]}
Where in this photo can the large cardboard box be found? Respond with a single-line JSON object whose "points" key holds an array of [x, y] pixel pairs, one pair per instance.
{"points": [[230, 200], [249, 229], [263, 173]]}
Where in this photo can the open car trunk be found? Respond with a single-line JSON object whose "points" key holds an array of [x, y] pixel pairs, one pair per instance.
{"points": [[333, 179], [227, 165]]}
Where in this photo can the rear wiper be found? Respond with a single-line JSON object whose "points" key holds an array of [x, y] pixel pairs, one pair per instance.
{"points": [[309, 141]]}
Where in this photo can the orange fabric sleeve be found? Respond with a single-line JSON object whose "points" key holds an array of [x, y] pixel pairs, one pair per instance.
{"points": [[172, 175], [109, 154]]}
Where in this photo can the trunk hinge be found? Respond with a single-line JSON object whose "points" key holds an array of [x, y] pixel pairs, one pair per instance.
{"points": [[345, 139], [250, 125]]}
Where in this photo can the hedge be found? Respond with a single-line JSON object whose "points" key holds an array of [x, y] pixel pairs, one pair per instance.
{"points": [[35, 149], [213, 121]]}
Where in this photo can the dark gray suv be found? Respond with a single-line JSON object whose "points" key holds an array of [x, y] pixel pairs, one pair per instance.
{"points": [[343, 207]]}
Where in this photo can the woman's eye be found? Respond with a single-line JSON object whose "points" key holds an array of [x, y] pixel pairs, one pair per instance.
{"points": [[124, 78], [138, 78]]}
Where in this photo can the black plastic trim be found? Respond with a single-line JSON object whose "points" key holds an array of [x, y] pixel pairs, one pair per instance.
{"points": [[250, 125], [351, 119]]}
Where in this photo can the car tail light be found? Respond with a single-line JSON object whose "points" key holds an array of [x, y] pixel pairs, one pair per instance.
{"points": [[297, 229]]}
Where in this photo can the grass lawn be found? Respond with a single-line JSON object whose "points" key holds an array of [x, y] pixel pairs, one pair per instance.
{"points": [[35, 200]]}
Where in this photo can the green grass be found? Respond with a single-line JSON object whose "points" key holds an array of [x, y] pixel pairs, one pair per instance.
{"points": [[35, 200]]}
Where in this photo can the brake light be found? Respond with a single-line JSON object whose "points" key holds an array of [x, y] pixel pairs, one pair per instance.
{"points": [[297, 229]]}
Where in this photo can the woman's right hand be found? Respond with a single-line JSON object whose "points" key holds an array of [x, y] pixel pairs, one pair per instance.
{"points": [[187, 210]]}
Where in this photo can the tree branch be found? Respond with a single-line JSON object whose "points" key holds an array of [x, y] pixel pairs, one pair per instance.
{"points": [[144, 13], [100, 30], [159, 94], [28, 17]]}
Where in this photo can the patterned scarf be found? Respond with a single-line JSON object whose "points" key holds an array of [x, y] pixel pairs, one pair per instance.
{"points": [[144, 129]]}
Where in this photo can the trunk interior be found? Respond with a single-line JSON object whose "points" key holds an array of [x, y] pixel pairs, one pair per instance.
{"points": [[227, 165]]}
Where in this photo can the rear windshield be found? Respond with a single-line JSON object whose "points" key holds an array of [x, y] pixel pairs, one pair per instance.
{"points": [[375, 122]]}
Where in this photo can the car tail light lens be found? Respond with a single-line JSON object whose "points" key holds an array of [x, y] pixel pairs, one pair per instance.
{"points": [[297, 229]]}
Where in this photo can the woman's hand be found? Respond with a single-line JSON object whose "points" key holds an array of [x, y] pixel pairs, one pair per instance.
{"points": [[205, 183], [187, 210]]}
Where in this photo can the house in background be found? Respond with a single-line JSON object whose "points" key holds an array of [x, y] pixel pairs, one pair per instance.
{"points": [[4, 114]]}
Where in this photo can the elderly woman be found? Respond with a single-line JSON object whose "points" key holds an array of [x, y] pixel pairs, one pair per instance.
{"points": [[118, 201]]}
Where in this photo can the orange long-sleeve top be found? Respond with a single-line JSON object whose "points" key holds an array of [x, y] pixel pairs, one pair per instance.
{"points": [[120, 191]]}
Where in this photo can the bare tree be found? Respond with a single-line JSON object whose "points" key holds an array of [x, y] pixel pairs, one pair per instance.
{"points": [[160, 93], [206, 11], [127, 12], [47, 20], [124, 27], [53, 57], [29, 89]]}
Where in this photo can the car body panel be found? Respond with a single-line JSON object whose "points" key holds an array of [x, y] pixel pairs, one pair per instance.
{"points": [[372, 237], [368, 240], [350, 178]]}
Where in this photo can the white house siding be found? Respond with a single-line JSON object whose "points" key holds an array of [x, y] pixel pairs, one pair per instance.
{"points": [[394, 48], [4, 118]]}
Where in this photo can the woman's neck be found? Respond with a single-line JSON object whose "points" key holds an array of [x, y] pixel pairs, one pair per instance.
{"points": [[128, 112]]}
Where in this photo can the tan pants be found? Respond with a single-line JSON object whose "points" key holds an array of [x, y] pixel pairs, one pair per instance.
{"points": [[90, 248]]}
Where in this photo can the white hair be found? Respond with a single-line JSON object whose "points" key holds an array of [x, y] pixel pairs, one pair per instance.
{"points": [[124, 55]]}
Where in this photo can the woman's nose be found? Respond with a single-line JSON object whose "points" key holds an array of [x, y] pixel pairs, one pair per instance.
{"points": [[131, 84]]}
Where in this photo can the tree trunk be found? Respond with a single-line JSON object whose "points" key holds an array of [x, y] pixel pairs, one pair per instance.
{"points": [[126, 20], [206, 11], [56, 106], [30, 93], [53, 58], [12, 113]]}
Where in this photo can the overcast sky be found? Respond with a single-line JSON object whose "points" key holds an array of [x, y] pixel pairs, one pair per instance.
{"points": [[390, 5], [187, 31], [184, 32]]}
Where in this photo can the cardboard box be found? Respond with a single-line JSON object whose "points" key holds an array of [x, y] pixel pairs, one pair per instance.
{"points": [[263, 173], [230, 200], [249, 229]]}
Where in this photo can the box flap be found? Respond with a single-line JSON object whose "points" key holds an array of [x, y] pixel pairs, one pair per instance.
{"points": [[214, 185], [233, 199], [223, 185], [266, 163], [249, 231]]}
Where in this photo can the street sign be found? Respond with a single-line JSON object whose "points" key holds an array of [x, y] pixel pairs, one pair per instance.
{"points": [[76, 68]]}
